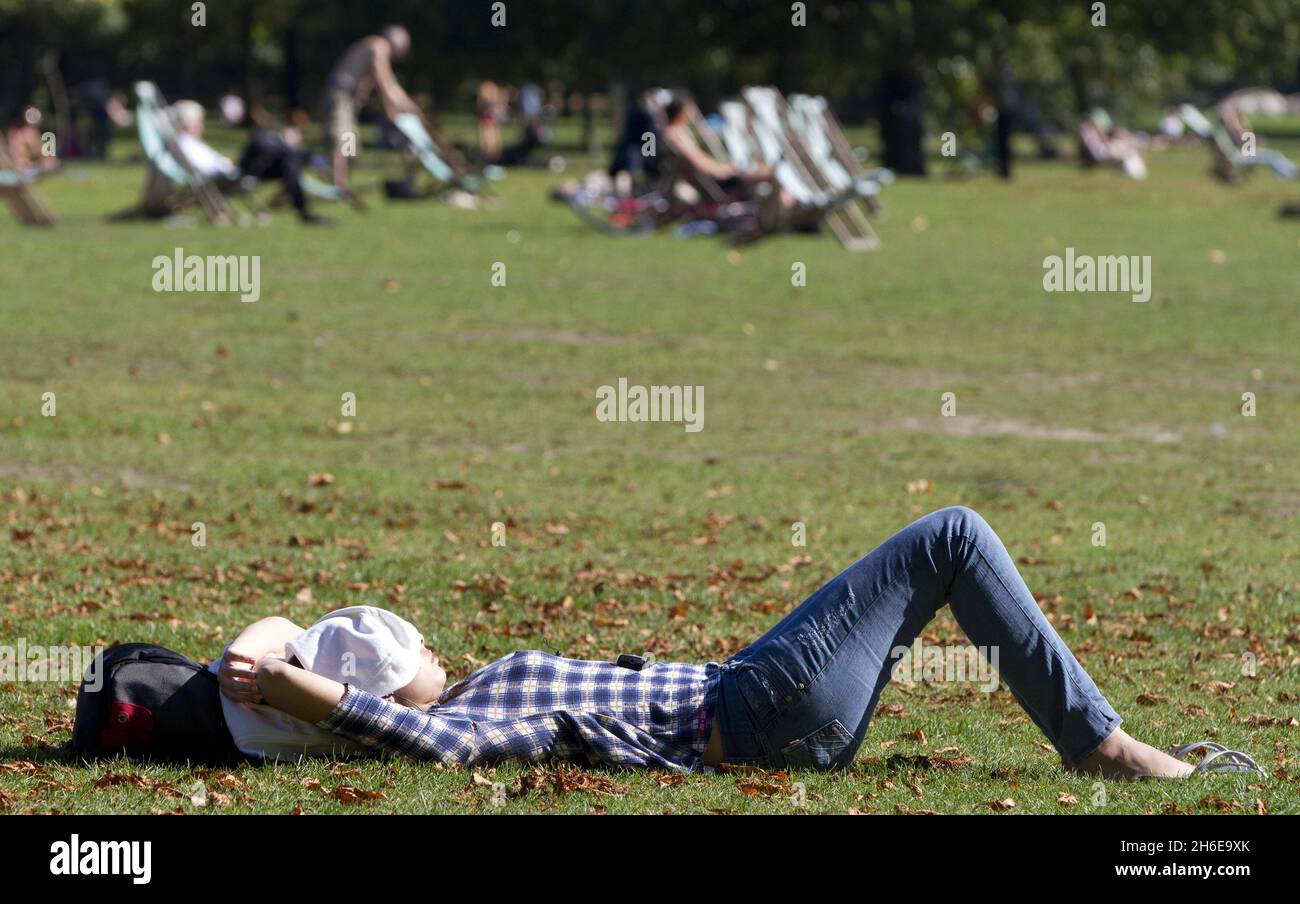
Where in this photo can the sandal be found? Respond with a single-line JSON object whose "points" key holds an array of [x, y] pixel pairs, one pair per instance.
{"points": [[1218, 759]]}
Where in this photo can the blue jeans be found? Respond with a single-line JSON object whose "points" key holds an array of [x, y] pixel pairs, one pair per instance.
{"points": [[802, 695]]}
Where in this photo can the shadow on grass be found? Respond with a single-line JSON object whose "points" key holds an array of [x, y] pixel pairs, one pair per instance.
{"points": [[41, 754]]}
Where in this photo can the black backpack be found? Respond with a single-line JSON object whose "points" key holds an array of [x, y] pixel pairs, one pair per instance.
{"points": [[146, 701]]}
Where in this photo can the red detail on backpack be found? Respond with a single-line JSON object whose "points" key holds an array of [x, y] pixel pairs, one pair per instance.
{"points": [[129, 725]]}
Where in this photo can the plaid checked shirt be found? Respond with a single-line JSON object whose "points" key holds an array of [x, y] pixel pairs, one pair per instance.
{"points": [[532, 706]]}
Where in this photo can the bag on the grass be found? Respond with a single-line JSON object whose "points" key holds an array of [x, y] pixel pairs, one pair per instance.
{"points": [[150, 702]]}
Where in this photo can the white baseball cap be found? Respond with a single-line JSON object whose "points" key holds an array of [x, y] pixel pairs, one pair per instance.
{"points": [[364, 646]]}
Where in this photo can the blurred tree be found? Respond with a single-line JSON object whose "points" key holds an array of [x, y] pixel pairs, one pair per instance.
{"points": [[280, 52]]}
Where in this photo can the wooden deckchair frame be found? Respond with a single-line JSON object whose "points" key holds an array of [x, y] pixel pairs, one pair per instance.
{"points": [[426, 150], [707, 134], [853, 211], [1227, 156], [845, 218], [164, 191], [737, 129], [672, 168], [22, 198]]}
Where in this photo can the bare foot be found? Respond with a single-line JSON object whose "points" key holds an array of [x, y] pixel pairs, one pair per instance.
{"points": [[1123, 757]]}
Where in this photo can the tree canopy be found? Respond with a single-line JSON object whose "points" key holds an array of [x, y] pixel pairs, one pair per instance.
{"points": [[279, 52]]}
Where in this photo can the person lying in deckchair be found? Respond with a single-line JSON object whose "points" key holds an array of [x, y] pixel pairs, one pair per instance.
{"points": [[366, 66], [268, 155], [1105, 142], [209, 163], [703, 171], [23, 137], [23, 161], [1229, 146], [700, 163]]}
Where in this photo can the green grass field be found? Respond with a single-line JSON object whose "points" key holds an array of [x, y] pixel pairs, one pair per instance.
{"points": [[822, 404]]}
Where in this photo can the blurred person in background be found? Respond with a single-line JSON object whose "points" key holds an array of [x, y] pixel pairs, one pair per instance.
{"points": [[488, 109], [268, 155], [366, 67], [27, 148]]}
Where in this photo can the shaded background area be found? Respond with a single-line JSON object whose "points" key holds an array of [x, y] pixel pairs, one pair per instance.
{"points": [[856, 53]]}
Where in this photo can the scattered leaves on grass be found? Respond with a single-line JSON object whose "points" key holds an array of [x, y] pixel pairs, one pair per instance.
{"points": [[935, 760], [351, 794], [767, 784], [344, 793], [1218, 803], [565, 778], [140, 783], [905, 810], [1260, 720], [1214, 687]]}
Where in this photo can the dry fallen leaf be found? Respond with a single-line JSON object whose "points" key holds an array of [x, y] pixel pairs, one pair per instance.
{"points": [[351, 794], [908, 811]]}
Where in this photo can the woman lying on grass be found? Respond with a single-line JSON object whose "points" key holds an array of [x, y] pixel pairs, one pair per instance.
{"points": [[800, 696]]}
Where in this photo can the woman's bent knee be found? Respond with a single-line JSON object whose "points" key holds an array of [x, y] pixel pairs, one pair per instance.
{"points": [[959, 520]]}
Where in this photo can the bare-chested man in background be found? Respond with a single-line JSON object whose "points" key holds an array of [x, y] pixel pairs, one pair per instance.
{"points": [[366, 66]]}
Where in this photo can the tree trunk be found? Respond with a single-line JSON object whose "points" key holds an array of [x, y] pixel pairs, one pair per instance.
{"points": [[292, 84], [247, 85], [902, 128]]}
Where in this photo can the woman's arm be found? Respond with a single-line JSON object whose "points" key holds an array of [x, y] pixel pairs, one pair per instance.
{"points": [[696, 157], [265, 637], [296, 691], [383, 725]]}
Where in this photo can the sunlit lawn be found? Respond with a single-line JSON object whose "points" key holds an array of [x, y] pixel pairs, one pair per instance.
{"points": [[822, 404]]}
